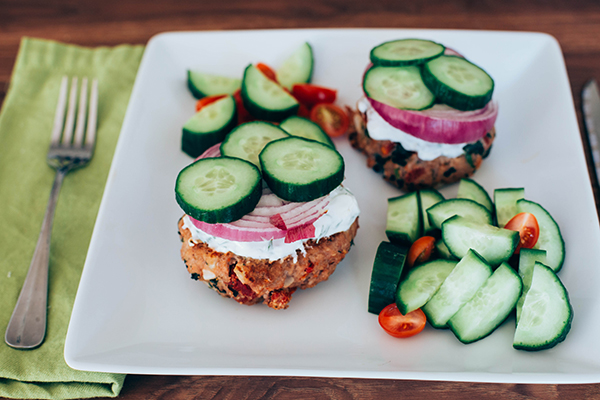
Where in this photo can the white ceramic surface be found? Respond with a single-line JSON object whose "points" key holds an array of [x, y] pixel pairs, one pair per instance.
{"points": [[138, 311]]}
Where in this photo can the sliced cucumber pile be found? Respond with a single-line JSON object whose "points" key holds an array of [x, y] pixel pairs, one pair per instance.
{"points": [[209, 126], [470, 284], [414, 74], [429, 197], [298, 169], [202, 84], [218, 190]]}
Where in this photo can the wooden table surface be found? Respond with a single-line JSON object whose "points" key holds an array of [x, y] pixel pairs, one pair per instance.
{"points": [[574, 23]]}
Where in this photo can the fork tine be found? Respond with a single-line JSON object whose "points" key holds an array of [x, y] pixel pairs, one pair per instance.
{"points": [[70, 121], [90, 136], [81, 112], [59, 116]]}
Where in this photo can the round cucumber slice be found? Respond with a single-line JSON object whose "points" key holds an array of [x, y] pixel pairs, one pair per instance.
{"points": [[209, 126], [247, 140], [458, 82], [298, 169], [400, 87], [218, 190], [302, 127], [404, 52]]}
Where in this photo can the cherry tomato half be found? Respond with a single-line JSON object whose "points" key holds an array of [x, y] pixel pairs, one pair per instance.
{"points": [[268, 71], [331, 118], [420, 251], [401, 326], [309, 95], [203, 102], [527, 226]]}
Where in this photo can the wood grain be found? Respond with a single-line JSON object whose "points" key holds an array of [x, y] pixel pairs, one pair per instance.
{"points": [[574, 23]]}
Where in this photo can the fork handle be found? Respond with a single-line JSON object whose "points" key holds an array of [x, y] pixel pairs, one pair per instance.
{"points": [[27, 326]]}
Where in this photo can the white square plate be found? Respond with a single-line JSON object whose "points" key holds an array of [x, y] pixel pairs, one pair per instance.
{"points": [[138, 311]]}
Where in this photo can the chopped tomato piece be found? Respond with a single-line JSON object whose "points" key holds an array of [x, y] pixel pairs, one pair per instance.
{"points": [[331, 118], [303, 111], [203, 102], [309, 95], [268, 71], [420, 251], [243, 114], [401, 326], [527, 226]]}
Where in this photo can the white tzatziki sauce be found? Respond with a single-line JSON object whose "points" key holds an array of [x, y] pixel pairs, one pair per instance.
{"points": [[339, 215], [380, 129]]}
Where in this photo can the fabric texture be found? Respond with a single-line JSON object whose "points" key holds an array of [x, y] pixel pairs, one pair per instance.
{"points": [[26, 121]]}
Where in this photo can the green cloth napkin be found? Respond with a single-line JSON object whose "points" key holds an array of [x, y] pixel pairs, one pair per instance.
{"points": [[26, 122]]}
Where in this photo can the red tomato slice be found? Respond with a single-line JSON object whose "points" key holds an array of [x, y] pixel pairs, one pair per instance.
{"points": [[331, 118], [527, 226], [309, 95], [203, 102], [420, 251], [268, 71], [243, 114], [401, 326]]}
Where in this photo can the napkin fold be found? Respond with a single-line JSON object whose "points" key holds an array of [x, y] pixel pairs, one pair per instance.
{"points": [[26, 121]]}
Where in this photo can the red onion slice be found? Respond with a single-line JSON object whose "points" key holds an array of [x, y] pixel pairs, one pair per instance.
{"points": [[440, 123]]}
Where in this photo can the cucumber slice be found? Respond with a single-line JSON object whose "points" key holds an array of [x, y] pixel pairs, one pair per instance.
{"points": [[442, 250], [302, 127], [464, 207], [547, 313], [429, 197], [209, 126], [403, 52], [550, 238], [400, 87], [387, 270], [505, 201], [490, 306], [458, 288], [527, 259], [202, 85], [458, 82], [404, 221], [265, 99], [218, 190], [494, 244], [421, 283], [298, 169], [297, 68], [469, 189], [248, 140]]}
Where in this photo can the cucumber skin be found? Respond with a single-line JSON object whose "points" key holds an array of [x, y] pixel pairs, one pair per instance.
{"points": [[219, 216], [261, 113], [382, 292], [195, 92], [452, 97], [560, 338]]}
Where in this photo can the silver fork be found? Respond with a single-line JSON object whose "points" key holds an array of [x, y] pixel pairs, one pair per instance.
{"points": [[70, 147]]}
